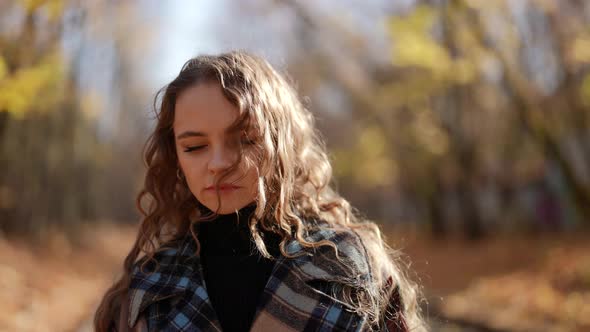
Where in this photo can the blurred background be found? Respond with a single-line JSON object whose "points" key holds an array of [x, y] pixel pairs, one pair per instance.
{"points": [[461, 126]]}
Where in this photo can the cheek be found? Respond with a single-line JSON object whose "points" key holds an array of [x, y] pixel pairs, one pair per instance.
{"points": [[192, 168], [190, 161]]}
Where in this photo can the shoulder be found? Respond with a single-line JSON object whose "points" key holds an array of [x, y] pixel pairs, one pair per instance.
{"points": [[337, 254], [167, 255], [164, 274], [355, 272]]}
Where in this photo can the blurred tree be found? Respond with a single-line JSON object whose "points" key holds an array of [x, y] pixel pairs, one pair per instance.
{"points": [[33, 85], [58, 169], [476, 94]]}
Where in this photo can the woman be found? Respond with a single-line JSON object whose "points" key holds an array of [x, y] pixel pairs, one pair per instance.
{"points": [[241, 229]]}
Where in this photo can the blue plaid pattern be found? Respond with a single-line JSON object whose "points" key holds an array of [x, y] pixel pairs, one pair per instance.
{"points": [[169, 292]]}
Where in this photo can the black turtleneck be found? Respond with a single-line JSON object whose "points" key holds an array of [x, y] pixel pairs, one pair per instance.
{"points": [[235, 273]]}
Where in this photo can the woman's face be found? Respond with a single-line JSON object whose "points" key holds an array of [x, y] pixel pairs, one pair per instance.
{"points": [[205, 149]]}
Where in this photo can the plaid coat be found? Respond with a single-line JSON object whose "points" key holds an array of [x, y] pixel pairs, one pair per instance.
{"points": [[170, 294]]}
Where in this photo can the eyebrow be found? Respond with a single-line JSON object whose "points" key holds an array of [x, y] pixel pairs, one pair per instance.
{"points": [[190, 133]]}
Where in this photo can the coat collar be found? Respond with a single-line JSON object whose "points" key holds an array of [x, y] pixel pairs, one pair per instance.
{"points": [[292, 297]]}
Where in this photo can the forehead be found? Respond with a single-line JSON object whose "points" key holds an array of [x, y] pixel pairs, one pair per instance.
{"points": [[203, 108]]}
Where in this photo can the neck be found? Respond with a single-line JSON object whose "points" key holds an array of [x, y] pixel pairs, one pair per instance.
{"points": [[229, 234], [244, 211]]}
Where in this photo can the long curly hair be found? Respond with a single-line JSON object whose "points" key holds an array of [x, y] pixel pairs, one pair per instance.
{"points": [[294, 183]]}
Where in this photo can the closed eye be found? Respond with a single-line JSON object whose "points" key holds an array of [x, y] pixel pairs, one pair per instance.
{"points": [[248, 142], [194, 148]]}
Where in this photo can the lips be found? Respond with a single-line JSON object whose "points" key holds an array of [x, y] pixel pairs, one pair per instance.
{"points": [[223, 186]]}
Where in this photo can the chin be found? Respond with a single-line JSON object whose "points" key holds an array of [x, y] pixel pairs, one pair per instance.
{"points": [[225, 208]]}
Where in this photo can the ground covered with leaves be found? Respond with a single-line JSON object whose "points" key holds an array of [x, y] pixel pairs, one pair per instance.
{"points": [[55, 286], [502, 283], [555, 297], [507, 283]]}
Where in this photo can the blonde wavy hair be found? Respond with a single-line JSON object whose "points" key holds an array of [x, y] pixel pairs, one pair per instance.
{"points": [[294, 184]]}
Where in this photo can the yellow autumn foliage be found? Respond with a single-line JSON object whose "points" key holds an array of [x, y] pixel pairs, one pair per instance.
{"points": [[3, 69], [413, 44], [429, 134], [54, 8], [415, 47], [32, 88], [369, 162], [580, 49]]}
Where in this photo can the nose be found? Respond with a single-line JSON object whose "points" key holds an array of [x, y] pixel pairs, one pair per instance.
{"points": [[221, 159]]}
